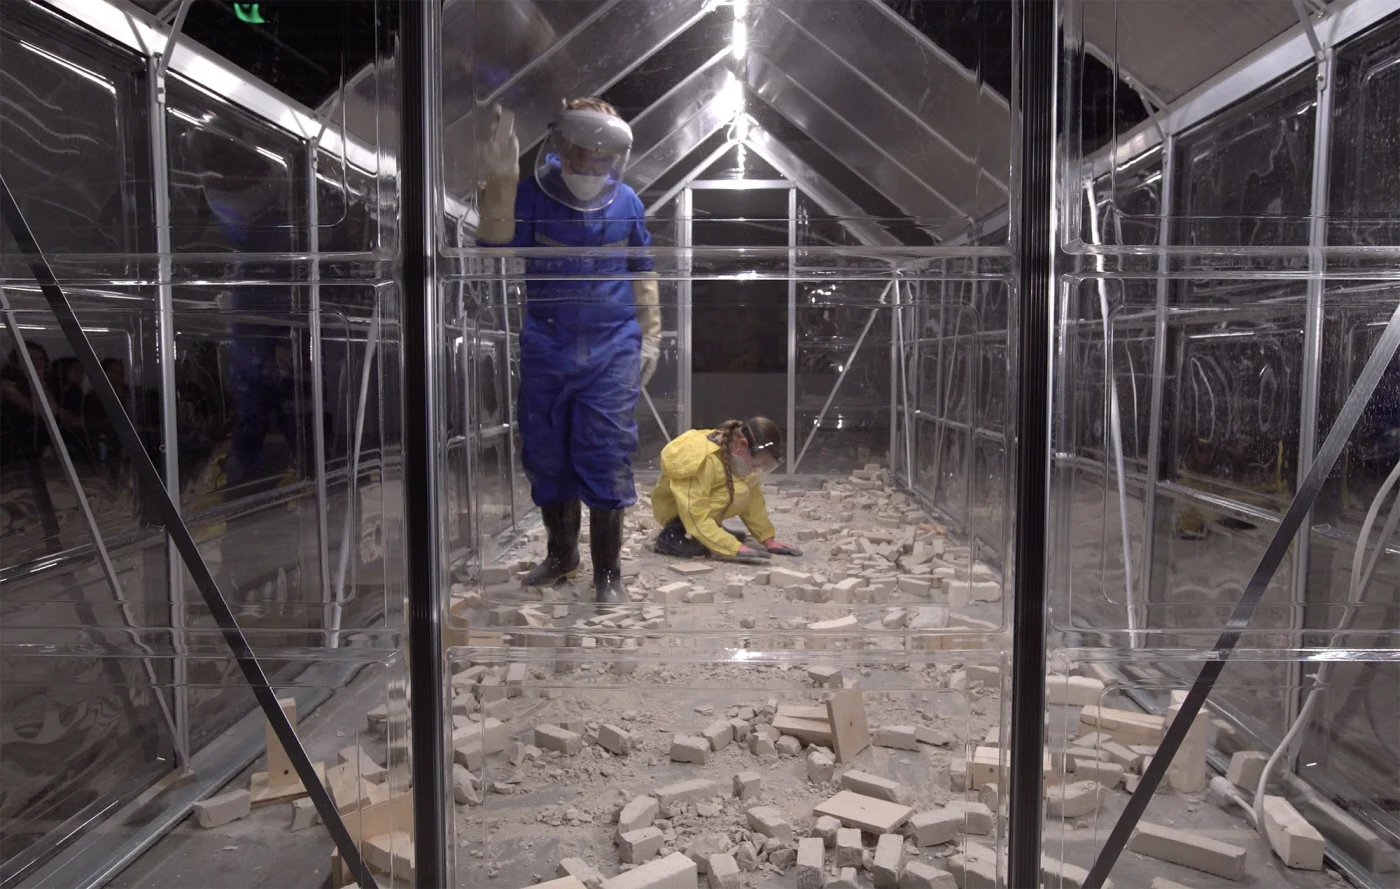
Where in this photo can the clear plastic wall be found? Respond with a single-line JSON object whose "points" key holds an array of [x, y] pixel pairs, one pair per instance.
{"points": [[227, 250], [831, 191]]}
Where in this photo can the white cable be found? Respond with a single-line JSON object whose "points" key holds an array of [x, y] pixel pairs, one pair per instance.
{"points": [[1357, 587]]}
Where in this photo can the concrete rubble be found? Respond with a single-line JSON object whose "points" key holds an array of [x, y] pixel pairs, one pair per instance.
{"points": [[647, 730]]}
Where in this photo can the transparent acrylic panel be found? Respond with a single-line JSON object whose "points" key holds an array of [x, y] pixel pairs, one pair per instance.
{"points": [[1365, 162], [576, 735], [75, 151], [1104, 723], [843, 384], [96, 716], [1244, 178], [823, 76], [44, 512], [353, 700]]}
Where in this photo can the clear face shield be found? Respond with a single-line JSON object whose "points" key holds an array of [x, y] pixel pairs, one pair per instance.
{"points": [[758, 464], [581, 161]]}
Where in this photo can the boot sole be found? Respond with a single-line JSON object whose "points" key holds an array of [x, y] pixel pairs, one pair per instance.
{"points": [[563, 578]]}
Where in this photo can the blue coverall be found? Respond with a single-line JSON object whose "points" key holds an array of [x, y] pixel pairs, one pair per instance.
{"points": [[263, 395], [580, 349]]}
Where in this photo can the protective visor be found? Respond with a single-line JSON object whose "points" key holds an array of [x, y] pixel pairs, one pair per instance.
{"points": [[581, 162], [763, 456]]}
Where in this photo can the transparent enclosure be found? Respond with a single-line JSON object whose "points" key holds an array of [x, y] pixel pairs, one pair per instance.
{"points": [[724, 432]]}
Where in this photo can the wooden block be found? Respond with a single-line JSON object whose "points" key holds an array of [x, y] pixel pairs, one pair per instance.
{"points": [[809, 731], [690, 569], [279, 765], [799, 712], [1188, 850], [1126, 726], [849, 729], [262, 794], [864, 812], [394, 815], [390, 853], [1295, 840]]}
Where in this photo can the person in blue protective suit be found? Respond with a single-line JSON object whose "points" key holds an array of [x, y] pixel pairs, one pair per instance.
{"points": [[592, 330], [247, 203]]}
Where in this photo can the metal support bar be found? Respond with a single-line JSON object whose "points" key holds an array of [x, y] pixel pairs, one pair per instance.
{"points": [[1305, 19], [169, 410], [36, 387], [685, 377], [352, 480], [689, 177], [1115, 424], [1298, 509], [1033, 250], [422, 358], [904, 383], [850, 361], [510, 395], [1312, 347], [656, 415], [1159, 373], [164, 64], [792, 332], [330, 609], [179, 533]]}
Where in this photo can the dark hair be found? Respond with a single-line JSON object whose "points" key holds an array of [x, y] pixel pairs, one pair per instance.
{"points": [[590, 103], [756, 432]]}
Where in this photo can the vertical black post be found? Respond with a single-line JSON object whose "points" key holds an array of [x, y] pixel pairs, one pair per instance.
{"points": [[420, 355], [1033, 248]]}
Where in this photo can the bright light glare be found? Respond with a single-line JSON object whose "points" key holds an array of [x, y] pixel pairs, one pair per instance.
{"points": [[733, 97], [739, 40], [741, 9]]}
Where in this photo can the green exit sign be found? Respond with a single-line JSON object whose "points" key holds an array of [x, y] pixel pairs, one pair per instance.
{"points": [[250, 13]]}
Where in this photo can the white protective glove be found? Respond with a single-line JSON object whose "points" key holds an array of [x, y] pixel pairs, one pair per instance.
{"points": [[651, 354], [500, 167], [647, 295], [500, 156]]}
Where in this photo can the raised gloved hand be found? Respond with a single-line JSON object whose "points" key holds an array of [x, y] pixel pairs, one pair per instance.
{"points": [[500, 156], [777, 548], [748, 554], [651, 354]]}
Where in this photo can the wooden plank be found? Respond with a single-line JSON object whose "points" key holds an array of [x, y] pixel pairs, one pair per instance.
{"points": [[279, 765], [864, 812], [393, 815], [850, 732], [808, 731], [262, 794]]}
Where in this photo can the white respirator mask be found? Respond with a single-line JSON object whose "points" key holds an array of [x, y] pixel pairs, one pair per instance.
{"points": [[585, 188]]}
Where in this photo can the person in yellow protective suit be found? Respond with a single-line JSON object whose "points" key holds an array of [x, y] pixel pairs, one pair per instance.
{"points": [[709, 475]]}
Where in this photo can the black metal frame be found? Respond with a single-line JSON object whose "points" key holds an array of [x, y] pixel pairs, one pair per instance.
{"points": [[1034, 251], [417, 270]]}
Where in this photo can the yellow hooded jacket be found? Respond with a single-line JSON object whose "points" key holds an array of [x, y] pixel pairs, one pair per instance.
{"points": [[692, 488]]}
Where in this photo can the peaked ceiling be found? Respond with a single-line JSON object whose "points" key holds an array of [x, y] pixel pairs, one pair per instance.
{"points": [[916, 127], [923, 132]]}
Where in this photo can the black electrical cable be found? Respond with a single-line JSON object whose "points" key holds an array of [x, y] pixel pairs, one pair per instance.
{"points": [[1293, 519], [155, 492], [1034, 251]]}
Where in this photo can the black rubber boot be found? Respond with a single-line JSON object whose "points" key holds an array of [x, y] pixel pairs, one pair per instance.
{"points": [[605, 542], [562, 521], [673, 541]]}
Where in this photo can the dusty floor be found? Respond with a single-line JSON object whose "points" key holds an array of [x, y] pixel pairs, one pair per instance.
{"points": [[700, 661]]}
